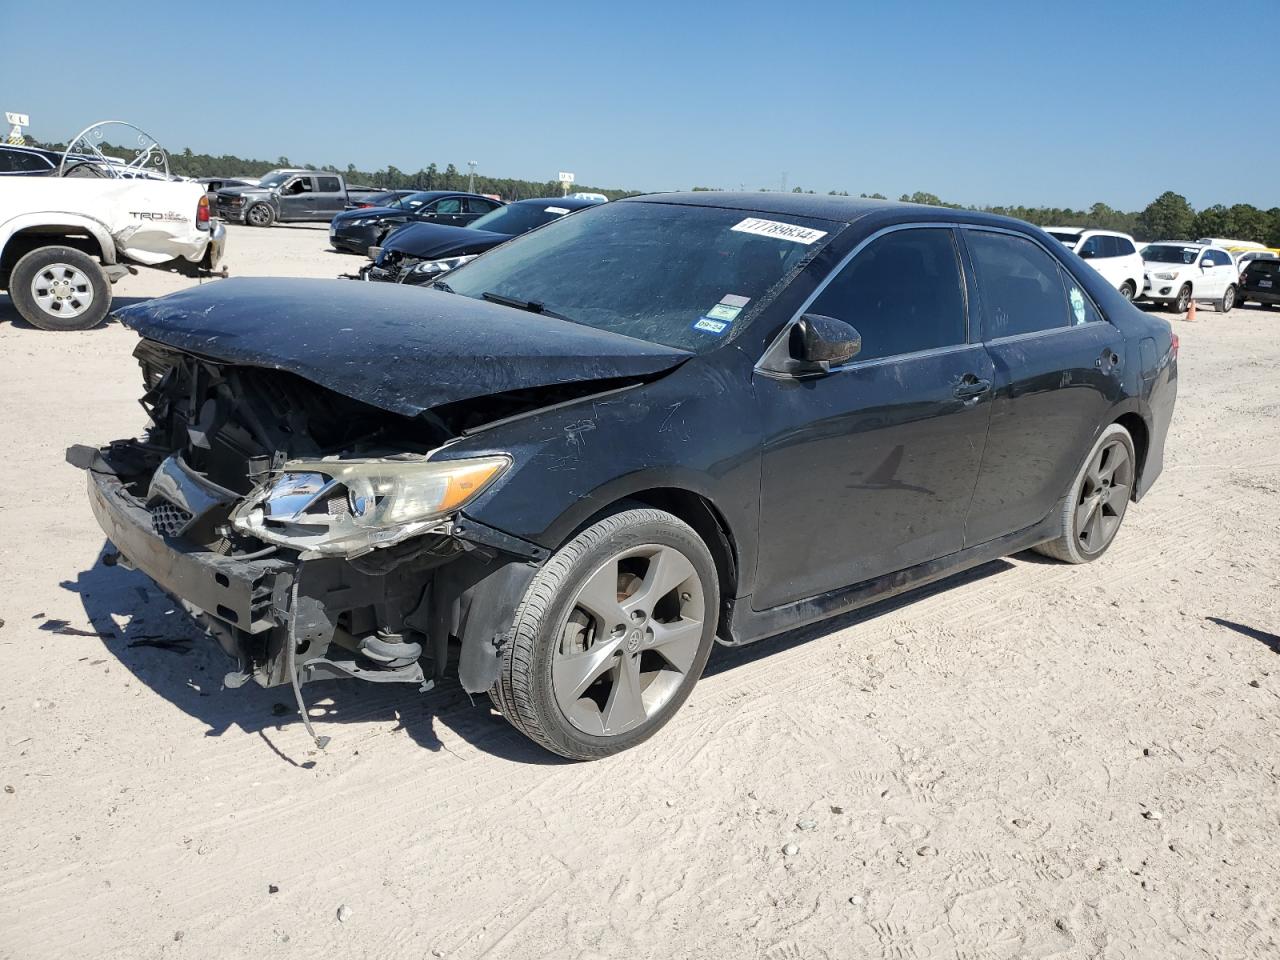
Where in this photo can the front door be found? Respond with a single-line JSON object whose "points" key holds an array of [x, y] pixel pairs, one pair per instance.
{"points": [[1058, 367], [298, 199], [870, 468]]}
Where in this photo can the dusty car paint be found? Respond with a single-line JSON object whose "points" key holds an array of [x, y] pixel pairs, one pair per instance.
{"points": [[814, 494]]}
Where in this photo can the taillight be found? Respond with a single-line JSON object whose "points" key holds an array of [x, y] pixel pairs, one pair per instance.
{"points": [[202, 212], [1173, 347]]}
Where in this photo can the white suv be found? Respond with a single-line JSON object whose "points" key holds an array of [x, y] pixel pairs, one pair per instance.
{"points": [[1178, 273], [1114, 255]]}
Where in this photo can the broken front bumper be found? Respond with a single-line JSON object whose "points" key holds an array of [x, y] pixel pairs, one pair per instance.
{"points": [[258, 606]]}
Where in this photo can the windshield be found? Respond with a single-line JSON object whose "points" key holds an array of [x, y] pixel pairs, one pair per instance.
{"points": [[1168, 253], [274, 179], [666, 273], [519, 218], [1070, 239]]}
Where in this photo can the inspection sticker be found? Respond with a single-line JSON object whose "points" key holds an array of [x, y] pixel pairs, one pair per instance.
{"points": [[778, 230], [722, 311], [733, 300], [708, 325], [1077, 305]]}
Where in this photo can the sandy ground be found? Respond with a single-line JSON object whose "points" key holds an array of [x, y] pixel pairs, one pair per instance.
{"points": [[1032, 760]]}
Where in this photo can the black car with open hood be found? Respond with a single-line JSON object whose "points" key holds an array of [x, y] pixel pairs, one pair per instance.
{"points": [[571, 465]]}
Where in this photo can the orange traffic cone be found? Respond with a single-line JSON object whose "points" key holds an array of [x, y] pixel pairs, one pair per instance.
{"points": [[1191, 312]]}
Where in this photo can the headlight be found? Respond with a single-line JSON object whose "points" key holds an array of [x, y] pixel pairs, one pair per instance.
{"points": [[1166, 276], [350, 507], [366, 222], [430, 267]]}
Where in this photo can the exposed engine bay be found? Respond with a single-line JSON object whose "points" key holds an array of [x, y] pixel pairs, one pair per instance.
{"points": [[297, 513]]}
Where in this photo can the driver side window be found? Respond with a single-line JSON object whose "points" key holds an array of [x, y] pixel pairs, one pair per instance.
{"points": [[903, 294]]}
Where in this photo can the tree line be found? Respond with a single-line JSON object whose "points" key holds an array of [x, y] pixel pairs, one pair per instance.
{"points": [[1168, 217]]}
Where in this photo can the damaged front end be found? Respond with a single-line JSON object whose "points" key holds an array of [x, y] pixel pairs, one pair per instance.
{"points": [[311, 533]]}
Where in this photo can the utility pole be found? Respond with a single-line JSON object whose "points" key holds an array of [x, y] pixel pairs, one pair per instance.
{"points": [[784, 181], [471, 177]]}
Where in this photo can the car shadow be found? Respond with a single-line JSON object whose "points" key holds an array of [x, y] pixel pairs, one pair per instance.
{"points": [[726, 658], [9, 313], [153, 637]]}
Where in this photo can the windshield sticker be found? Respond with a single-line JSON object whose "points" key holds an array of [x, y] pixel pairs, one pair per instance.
{"points": [[557, 210], [778, 230], [708, 325], [733, 300], [1077, 305], [722, 311]]}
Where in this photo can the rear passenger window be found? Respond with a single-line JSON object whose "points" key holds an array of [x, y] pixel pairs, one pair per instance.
{"points": [[1021, 289], [329, 185], [1080, 306], [903, 293]]}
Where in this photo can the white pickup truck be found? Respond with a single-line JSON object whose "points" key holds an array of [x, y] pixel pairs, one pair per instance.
{"points": [[65, 239]]}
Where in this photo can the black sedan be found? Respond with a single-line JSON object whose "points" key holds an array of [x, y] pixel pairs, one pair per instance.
{"points": [[355, 231], [581, 459], [419, 253], [384, 198]]}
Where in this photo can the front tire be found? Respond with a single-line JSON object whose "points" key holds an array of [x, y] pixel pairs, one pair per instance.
{"points": [[260, 215], [611, 635], [60, 288], [1089, 516], [1183, 303], [1228, 299]]}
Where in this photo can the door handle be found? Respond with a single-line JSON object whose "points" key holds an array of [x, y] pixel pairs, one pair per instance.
{"points": [[970, 387]]}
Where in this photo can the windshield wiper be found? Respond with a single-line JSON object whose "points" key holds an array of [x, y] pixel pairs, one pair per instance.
{"points": [[532, 306]]}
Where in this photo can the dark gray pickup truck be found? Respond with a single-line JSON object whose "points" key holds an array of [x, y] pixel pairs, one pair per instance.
{"points": [[288, 196]]}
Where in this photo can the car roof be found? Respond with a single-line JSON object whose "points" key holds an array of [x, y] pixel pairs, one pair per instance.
{"points": [[836, 209], [1080, 231], [566, 203]]}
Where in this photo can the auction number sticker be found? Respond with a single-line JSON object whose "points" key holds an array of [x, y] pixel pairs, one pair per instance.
{"points": [[779, 230]]}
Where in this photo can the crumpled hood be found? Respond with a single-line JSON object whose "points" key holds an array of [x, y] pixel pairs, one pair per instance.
{"points": [[435, 241], [403, 349]]}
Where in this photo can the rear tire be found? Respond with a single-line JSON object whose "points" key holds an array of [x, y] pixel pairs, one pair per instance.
{"points": [[611, 635], [1090, 514], [260, 215], [1128, 291], [1228, 299], [60, 288]]}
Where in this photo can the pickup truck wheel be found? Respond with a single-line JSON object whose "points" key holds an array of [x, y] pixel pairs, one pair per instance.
{"points": [[610, 636], [260, 215], [60, 288]]}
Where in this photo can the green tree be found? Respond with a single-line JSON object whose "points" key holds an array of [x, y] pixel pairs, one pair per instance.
{"points": [[1167, 217]]}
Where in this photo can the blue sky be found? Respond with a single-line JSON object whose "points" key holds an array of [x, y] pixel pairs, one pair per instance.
{"points": [[995, 102]]}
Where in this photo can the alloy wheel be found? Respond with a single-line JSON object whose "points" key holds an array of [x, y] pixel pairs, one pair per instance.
{"points": [[1104, 496], [62, 290], [631, 637]]}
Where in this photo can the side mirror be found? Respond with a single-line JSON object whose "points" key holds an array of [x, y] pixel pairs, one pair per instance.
{"points": [[1087, 254], [818, 343]]}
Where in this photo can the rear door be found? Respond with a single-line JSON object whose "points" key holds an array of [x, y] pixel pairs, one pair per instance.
{"points": [[476, 207], [331, 197], [870, 468], [1057, 368]]}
